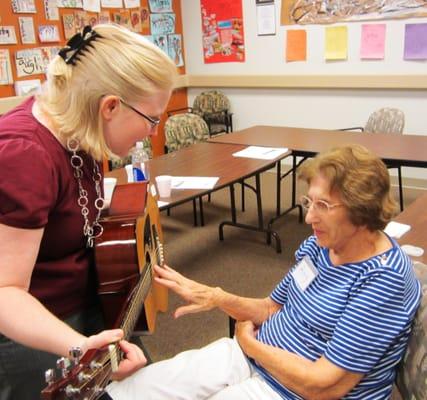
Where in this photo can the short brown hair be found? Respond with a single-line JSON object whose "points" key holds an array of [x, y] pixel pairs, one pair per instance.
{"points": [[362, 180]]}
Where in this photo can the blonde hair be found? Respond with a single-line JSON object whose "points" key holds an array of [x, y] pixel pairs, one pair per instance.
{"points": [[119, 62], [362, 180]]}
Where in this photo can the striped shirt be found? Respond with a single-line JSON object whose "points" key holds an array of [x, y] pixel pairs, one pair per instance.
{"points": [[356, 315]]}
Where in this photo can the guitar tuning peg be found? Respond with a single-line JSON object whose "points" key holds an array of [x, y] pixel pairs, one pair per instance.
{"points": [[75, 355], [49, 376], [63, 364]]}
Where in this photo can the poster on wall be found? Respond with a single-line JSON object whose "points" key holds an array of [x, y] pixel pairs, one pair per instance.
{"points": [[160, 6], [311, 12], [5, 70], [23, 6], [222, 30]]}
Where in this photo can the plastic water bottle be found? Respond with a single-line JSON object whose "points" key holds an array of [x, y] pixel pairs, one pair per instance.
{"points": [[139, 163]]}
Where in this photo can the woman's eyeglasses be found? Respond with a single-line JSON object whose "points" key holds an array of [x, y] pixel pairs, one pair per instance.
{"points": [[153, 121], [321, 206]]}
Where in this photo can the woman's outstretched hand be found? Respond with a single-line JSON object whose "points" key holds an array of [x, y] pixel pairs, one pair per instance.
{"points": [[199, 297]]}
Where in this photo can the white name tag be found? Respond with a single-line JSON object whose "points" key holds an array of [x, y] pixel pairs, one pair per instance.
{"points": [[305, 273]]}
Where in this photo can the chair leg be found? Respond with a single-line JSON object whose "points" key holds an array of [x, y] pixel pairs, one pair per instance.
{"points": [[243, 196], [231, 326], [202, 217], [399, 176], [195, 212]]}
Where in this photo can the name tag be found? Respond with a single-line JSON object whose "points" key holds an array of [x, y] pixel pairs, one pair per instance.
{"points": [[305, 273]]}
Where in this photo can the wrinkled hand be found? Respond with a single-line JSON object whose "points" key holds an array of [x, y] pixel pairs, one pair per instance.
{"points": [[245, 331], [199, 297], [134, 358]]}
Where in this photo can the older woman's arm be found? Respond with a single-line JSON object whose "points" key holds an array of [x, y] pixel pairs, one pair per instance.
{"points": [[318, 379], [203, 298]]}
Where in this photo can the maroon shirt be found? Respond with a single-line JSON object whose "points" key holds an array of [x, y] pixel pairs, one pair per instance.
{"points": [[38, 189]]}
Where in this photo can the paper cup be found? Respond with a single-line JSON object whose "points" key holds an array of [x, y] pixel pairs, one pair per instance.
{"points": [[129, 172], [164, 185], [109, 184]]}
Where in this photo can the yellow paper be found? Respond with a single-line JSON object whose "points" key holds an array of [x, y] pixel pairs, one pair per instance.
{"points": [[336, 43]]}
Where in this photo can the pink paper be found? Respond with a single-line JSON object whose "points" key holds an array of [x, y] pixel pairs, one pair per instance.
{"points": [[372, 41]]}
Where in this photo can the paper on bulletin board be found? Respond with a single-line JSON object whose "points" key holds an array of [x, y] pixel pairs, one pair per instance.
{"points": [[6, 77], [266, 19], [296, 45], [372, 41], [160, 6], [92, 5], [415, 42], [336, 43], [222, 30]]}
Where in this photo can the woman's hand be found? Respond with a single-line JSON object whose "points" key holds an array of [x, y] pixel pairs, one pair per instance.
{"points": [[245, 332], [133, 360], [199, 297]]}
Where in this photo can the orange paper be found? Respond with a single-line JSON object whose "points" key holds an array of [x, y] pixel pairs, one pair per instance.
{"points": [[296, 45]]}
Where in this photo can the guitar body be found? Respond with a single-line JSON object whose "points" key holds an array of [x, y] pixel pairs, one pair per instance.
{"points": [[127, 245]]}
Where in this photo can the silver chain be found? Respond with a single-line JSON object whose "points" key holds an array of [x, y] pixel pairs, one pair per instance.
{"points": [[94, 230]]}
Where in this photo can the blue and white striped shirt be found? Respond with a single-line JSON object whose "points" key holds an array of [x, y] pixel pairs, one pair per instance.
{"points": [[357, 315]]}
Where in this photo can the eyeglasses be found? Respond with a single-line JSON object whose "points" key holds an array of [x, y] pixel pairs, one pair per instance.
{"points": [[321, 206], [153, 121]]}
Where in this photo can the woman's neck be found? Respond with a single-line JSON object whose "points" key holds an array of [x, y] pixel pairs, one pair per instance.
{"points": [[44, 119], [364, 244]]}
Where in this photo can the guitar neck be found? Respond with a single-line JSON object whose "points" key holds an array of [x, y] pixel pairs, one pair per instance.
{"points": [[136, 303]]}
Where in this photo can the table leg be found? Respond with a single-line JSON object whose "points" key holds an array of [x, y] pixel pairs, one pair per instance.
{"points": [[260, 228]]}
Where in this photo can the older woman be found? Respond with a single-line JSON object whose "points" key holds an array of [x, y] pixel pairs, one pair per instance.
{"points": [[335, 327], [106, 90]]}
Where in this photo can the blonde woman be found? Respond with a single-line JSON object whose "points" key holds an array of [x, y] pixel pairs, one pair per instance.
{"points": [[106, 90]]}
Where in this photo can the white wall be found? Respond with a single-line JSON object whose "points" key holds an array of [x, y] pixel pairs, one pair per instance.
{"points": [[331, 108]]}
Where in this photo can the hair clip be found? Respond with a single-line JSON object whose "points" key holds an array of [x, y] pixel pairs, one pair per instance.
{"points": [[77, 44]]}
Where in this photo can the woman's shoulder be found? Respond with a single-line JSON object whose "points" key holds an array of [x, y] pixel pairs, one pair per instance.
{"points": [[309, 247]]}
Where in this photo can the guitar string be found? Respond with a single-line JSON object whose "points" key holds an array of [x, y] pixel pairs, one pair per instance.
{"points": [[106, 359]]}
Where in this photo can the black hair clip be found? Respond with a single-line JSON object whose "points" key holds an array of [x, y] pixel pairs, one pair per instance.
{"points": [[77, 44]]}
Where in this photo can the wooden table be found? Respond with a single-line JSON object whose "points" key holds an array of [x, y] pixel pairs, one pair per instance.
{"points": [[211, 159], [416, 216], [395, 150]]}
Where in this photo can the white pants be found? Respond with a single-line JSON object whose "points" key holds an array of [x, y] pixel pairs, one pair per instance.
{"points": [[218, 371]]}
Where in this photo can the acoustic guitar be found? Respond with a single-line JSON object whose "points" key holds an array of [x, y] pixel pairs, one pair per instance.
{"points": [[131, 243]]}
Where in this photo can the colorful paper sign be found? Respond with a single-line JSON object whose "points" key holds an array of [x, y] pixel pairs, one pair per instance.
{"points": [[296, 45], [222, 29], [336, 43], [415, 42], [372, 41]]}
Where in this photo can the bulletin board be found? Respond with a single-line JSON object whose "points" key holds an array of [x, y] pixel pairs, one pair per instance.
{"points": [[10, 18]]}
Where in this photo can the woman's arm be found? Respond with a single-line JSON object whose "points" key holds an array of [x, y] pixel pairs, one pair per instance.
{"points": [[203, 298], [25, 320], [318, 379]]}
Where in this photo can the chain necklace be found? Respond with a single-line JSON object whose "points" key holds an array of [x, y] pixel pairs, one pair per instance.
{"points": [[94, 230]]}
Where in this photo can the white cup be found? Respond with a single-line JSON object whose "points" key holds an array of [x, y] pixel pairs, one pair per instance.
{"points": [[109, 184], [129, 172], [164, 185]]}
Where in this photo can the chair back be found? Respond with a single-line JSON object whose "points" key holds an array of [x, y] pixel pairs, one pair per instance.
{"points": [[412, 374], [182, 130], [386, 120], [211, 101], [121, 162]]}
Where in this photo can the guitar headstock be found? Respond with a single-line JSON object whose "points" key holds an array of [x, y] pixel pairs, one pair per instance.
{"points": [[83, 378]]}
